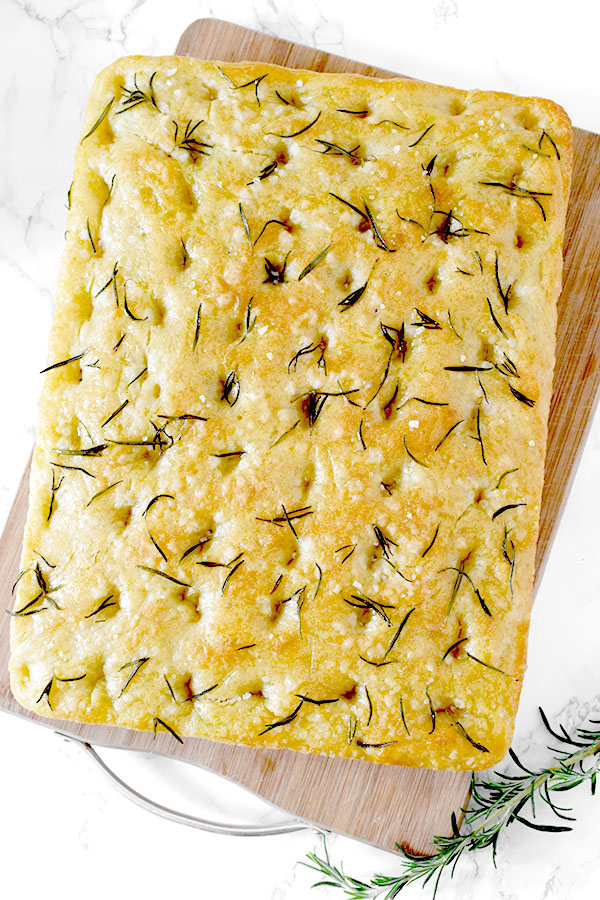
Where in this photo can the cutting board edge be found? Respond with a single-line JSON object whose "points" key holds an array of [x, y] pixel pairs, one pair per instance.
{"points": [[540, 569], [68, 730]]}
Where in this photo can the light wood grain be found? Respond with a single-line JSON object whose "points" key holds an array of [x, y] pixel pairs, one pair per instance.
{"points": [[379, 804]]}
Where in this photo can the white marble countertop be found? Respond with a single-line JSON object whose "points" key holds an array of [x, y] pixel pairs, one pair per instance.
{"points": [[63, 829]]}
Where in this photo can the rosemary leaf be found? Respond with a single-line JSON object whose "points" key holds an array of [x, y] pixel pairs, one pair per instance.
{"points": [[504, 475], [102, 492], [136, 665], [114, 414], [377, 236], [359, 113], [422, 135], [300, 131], [504, 509], [132, 98], [245, 225], [73, 468], [96, 125], [235, 568], [231, 389], [91, 239], [284, 721], [399, 631], [164, 575], [108, 601], [353, 297], [156, 722], [315, 262], [496, 801], [63, 362], [431, 543], [521, 397], [197, 326], [412, 455]]}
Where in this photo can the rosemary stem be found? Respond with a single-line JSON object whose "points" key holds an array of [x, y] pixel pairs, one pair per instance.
{"points": [[567, 762]]}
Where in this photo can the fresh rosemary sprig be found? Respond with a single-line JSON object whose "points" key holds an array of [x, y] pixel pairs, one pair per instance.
{"points": [[97, 450], [554, 147], [350, 548], [285, 433], [495, 803], [43, 594], [444, 224], [72, 468], [390, 122], [425, 321], [526, 400], [291, 102], [185, 256]]}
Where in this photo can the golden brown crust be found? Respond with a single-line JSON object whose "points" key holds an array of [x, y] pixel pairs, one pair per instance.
{"points": [[312, 340]]}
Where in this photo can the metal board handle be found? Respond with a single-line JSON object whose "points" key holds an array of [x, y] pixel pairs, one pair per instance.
{"points": [[174, 815]]}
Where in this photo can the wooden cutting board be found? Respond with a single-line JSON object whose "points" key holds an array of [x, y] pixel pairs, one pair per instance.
{"points": [[375, 803]]}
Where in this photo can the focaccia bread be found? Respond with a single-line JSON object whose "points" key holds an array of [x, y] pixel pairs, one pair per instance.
{"points": [[287, 480]]}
